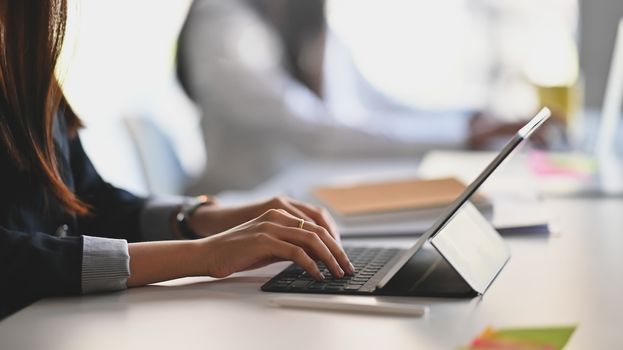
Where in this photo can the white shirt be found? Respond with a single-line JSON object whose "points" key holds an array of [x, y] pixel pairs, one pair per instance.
{"points": [[258, 119]]}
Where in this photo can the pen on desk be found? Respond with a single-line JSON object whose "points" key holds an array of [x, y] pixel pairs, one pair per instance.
{"points": [[350, 305]]}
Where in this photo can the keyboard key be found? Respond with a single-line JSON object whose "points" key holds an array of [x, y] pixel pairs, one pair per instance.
{"points": [[332, 289], [352, 287], [356, 283], [280, 284], [299, 284]]}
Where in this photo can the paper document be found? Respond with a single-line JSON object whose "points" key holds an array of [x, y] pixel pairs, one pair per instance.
{"points": [[508, 217], [396, 207]]}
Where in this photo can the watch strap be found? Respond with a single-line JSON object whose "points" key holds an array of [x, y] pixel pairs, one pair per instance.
{"points": [[185, 213]]}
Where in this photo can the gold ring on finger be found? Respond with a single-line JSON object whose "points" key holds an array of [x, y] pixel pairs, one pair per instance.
{"points": [[301, 223]]}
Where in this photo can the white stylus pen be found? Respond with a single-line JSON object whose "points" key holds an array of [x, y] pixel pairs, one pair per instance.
{"points": [[352, 304]]}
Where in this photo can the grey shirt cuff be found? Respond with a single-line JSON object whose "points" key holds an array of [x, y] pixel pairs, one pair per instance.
{"points": [[156, 217], [105, 264]]}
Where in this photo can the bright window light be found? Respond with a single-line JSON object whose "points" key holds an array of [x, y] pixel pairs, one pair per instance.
{"points": [[449, 54]]}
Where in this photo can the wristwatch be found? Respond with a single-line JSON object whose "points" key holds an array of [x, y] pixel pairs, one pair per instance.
{"points": [[186, 211]]}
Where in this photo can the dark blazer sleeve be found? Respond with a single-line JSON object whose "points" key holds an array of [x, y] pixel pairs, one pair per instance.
{"points": [[115, 213], [34, 265]]}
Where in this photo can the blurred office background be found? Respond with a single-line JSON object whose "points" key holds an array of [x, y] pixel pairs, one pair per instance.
{"points": [[379, 59]]}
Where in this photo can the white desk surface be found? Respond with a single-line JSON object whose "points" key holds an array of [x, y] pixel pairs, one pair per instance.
{"points": [[573, 276]]}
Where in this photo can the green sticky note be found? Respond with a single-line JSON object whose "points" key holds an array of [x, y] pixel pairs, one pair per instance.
{"points": [[556, 337]]}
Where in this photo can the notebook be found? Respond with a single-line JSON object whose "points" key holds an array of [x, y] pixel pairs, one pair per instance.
{"points": [[393, 196], [409, 207]]}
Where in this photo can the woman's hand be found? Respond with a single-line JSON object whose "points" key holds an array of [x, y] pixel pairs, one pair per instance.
{"points": [[273, 236], [210, 220]]}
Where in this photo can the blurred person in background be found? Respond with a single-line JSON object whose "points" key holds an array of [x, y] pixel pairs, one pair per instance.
{"points": [[255, 68], [243, 63]]}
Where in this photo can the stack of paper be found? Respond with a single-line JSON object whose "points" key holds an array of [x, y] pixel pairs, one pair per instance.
{"points": [[553, 338], [392, 207], [410, 207]]}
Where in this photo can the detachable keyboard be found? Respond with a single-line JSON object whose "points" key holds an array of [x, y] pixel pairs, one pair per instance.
{"points": [[367, 261]]}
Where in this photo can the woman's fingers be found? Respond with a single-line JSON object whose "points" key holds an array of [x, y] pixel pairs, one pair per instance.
{"points": [[283, 203], [307, 212], [275, 235], [334, 247], [320, 216], [310, 242], [286, 220], [284, 250]]}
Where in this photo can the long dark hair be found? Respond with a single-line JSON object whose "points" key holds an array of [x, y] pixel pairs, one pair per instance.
{"points": [[31, 38]]}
